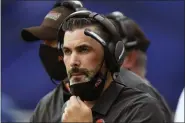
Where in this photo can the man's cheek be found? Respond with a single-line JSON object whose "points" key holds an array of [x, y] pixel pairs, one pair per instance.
{"points": [[66, 63], [65, 60]]}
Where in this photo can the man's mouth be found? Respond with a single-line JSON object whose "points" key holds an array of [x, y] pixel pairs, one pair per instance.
{"points": [[76, 74], [76, 78]]}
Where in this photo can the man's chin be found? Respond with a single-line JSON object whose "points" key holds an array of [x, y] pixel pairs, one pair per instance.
{"points": [[77, 80]]}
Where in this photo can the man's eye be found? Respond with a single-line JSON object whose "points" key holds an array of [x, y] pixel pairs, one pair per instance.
{"points": [[84, 49], [66, 52]]}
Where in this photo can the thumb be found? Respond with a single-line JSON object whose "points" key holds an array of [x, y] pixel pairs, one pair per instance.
{"points": [[80, 101], [82, 104]]}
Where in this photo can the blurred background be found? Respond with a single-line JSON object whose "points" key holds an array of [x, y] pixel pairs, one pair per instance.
{"points": [[24, 80]]}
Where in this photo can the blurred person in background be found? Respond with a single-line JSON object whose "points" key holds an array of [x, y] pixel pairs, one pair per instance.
{"points": [[51, 58], [49, 55], [133, 70], [136, 46]]}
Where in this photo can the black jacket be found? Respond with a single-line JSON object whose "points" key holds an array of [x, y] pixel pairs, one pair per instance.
{"points": [[127, 101], [134, 81]]}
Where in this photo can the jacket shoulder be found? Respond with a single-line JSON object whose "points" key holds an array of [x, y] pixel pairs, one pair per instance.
{"points": [[51, 102]]}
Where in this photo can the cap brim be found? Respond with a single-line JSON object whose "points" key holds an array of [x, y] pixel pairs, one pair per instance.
{"points": [[39, 33]]}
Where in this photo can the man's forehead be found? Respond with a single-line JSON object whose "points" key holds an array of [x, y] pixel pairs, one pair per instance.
{"points": [[77, 43], [76, 36], [79, 32]]}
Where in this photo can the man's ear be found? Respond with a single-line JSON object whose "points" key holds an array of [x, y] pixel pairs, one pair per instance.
{"points": [[130, 60]]}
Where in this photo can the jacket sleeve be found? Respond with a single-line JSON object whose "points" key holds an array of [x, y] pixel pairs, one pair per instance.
{"points": [[40, 113]]}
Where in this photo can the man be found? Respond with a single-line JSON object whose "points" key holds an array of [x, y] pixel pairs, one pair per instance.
{"points": [[134, 66], [96, 93], [41, 117], [83, 64]]}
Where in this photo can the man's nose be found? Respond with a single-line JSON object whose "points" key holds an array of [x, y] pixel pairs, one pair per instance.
{"points": [[75, 60]]}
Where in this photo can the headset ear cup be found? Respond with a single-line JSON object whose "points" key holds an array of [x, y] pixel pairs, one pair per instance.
{"points": [[110, 58], [111, 47], [119, 52], [59, 46]]}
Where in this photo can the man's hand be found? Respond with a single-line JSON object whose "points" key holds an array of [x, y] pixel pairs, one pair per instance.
{"points": [[77, 111]]}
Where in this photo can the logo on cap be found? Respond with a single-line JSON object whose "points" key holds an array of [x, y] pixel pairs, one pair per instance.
{"points": [[53, 15]]}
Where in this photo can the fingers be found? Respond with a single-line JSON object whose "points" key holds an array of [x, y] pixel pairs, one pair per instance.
{"points": [[67, 103], [76, 110], [64, 116], [72, 105], [80, 101], [74, 101]]}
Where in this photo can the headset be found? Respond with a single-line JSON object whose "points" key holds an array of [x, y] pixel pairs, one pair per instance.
{"points": [[114, 48], [134, 43], [120, 18]]}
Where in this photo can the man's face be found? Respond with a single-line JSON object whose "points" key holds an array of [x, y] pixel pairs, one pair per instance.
{"points": [[82, 56]]}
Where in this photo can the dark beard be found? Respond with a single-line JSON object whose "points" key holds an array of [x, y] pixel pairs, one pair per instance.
{"points": [[87, 89]]}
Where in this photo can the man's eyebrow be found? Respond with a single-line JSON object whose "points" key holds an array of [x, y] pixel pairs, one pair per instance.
{"points": [[65, 47], [84, 44], [78, 46]]}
